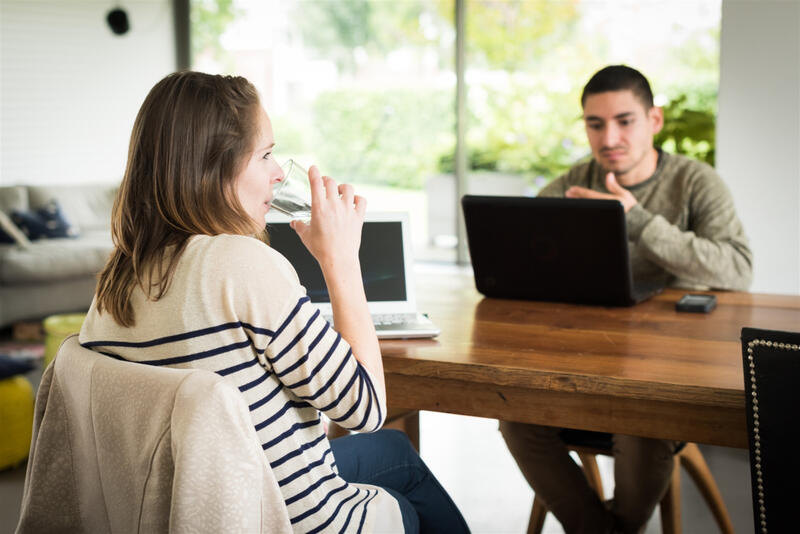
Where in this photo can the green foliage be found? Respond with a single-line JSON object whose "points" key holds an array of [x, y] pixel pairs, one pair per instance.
{"points": [[337, 29], [209, 20], [516, 33], [391, 137], [524, 130], [526, 59], [689, 129]]}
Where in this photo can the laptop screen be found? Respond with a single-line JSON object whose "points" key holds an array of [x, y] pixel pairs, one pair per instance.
{"points": [[381, 257]]}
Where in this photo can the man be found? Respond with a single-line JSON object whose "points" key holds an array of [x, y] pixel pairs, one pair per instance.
{"points": [[682, 231]]}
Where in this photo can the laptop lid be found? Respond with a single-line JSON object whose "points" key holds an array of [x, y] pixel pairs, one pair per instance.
{"points": [[553, 249], [385, 257]]}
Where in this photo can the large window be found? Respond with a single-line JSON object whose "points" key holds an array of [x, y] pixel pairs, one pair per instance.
{"points": [[366, 89]]}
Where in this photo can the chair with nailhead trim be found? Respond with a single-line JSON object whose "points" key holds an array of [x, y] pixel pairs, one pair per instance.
{"points": [[772, 394]]}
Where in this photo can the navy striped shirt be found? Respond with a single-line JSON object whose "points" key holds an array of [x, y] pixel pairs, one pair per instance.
{"points": [[236, 307]]}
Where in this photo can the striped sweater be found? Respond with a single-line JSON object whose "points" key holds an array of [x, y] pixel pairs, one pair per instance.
{"points": [[236, 307]]}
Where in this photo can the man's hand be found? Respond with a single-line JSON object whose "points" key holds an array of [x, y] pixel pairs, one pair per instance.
{"points": [[615, 192]]}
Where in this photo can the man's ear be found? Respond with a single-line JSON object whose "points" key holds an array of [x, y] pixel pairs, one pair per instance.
{"points": [[656, 116]]}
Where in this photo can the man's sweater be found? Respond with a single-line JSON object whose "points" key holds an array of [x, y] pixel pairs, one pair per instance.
{"points": [[684, 230]]}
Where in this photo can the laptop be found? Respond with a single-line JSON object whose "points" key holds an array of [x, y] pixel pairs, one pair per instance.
{"points": [[552, 249], [386, 268]]}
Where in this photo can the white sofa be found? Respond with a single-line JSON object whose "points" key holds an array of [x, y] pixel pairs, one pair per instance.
{"points": [[55, 275]]}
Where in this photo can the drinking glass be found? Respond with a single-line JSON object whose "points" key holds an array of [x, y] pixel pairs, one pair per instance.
{"points": [[292, 195]]}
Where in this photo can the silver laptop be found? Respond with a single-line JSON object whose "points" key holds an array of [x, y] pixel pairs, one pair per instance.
{"points": [[386, 268]]}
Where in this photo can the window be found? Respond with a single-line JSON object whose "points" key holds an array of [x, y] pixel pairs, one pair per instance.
{"points": [[366, 89]]}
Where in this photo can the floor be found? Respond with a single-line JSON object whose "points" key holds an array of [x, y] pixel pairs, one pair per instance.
{"points": [[469, 457]]}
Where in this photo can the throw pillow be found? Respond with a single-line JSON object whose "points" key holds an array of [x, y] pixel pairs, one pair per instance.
{"points": [[14, 366], [44, 222], [9, 233]]}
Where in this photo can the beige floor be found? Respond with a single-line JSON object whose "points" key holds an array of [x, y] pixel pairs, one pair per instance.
{"points": [[469, 457]]}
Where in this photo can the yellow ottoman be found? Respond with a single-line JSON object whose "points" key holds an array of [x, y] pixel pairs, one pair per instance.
{"points": [[16, 420], [56, 328]]}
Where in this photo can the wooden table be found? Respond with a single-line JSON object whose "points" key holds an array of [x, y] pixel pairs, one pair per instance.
{"points": [[646, 370]]}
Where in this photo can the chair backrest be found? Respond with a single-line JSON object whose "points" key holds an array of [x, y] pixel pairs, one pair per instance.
{"points": [[772, 395], [127, 447]]}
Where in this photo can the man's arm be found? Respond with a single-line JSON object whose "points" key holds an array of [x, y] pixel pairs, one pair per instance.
{"points": [[714, 252], [555, 188]]}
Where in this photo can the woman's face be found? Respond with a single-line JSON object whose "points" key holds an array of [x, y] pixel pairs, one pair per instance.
{"points": [[261, 171]]}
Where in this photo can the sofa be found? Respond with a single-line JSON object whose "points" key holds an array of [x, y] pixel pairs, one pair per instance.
{"points": [[45, 276]]}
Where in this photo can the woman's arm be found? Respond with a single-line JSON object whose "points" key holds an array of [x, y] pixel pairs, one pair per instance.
{"points": [[333, 237]]}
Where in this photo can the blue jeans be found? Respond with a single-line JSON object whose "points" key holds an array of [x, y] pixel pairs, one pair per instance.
{"points": [[387, 459]]}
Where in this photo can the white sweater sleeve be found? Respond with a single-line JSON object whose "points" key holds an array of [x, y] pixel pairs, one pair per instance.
{"points": [[301, 348]]}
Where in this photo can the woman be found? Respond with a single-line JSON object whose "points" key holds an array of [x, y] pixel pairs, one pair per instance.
{"points": [[188, 285]]}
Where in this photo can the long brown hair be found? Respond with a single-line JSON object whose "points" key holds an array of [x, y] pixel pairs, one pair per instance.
{"points": [[190, 140]]}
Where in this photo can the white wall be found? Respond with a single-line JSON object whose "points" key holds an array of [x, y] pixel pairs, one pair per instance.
{"points": [[70, 88], [758, 133]]}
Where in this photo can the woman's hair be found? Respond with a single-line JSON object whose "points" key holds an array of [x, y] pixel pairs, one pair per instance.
{"points": [[191, 139]]}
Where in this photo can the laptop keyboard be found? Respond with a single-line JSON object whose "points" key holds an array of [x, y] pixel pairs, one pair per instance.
{"points": [[401, 325], [387, 319], [393, 318]]}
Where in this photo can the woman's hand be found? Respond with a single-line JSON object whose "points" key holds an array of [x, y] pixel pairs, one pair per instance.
{"points": [[333, 236]]}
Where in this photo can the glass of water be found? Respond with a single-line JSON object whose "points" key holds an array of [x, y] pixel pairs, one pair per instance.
{"points": [[292, 195]]}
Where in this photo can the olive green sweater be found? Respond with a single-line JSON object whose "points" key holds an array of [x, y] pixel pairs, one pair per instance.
{"points": [[684, 231]]}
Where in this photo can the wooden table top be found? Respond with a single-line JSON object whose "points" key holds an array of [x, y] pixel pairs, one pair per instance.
{"points": [[645, 370]]}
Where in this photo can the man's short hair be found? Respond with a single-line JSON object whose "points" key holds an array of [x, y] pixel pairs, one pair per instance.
{"points": [[619, 78]]}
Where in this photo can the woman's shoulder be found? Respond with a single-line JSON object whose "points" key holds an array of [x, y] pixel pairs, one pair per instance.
{"points": [[238, 253], [225, 245]]}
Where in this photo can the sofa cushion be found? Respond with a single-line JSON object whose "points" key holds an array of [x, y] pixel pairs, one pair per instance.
{"points": [[10, 366], [10, 233], [13, 197], [45, 222], [54, 259], [86, 206]]}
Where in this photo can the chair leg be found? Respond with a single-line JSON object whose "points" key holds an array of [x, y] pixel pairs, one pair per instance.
{"points": [[671, 503], [538, 514], [407, 421], [590, 469], [692, 460]]}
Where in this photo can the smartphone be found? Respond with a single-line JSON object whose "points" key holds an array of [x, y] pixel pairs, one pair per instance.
{"points": [[696, 303]]}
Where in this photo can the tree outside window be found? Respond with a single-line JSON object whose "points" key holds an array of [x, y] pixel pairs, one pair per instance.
{"points": [[366, 88]]}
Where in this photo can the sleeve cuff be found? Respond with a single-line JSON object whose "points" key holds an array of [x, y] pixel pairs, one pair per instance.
{"points": [[636, 219]]}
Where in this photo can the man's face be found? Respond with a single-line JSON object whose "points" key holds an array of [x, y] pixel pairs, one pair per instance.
{"points": [[620, 132]]}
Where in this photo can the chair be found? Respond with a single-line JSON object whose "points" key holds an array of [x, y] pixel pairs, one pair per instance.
{"points": [[127, 447], [589, 444], [771, 362]]}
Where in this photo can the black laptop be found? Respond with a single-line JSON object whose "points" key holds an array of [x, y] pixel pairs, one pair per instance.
{"points": [[552, 249]]}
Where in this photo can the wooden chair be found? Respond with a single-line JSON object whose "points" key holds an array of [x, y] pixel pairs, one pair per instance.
{"points": [[771, 375], [688, 456]]}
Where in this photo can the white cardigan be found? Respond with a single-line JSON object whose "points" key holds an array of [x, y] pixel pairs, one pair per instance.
{"points": [[125, 447]]}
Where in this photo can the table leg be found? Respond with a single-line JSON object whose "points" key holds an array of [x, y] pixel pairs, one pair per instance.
{"points": [[404, 420]]}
